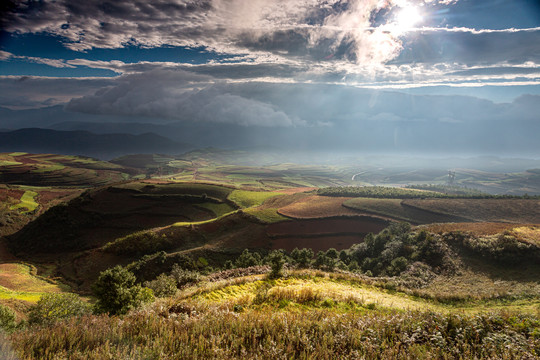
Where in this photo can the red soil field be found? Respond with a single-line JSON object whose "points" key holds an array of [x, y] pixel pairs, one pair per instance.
{"points": [[12, 193], [317, 207], [342, 226], [317, 243]]}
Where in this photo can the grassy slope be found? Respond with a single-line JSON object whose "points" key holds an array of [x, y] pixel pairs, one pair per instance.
{"points": [[308, 315]]}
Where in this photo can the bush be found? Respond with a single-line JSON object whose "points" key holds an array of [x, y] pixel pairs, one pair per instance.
{"points": [[7, 319], [162, 286], [142, 242], [277, 260], [247, 259], [54, 307], [184, 277], [117, 292], [302, 258]]}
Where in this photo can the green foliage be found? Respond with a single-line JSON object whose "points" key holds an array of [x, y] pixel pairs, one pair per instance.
{"points": [[142, 242], [277, 260], [501, 247], [267, 334], [54, 307], [162, 286], [184, 277], [401, 193], [450, 189], [247, 259], [246, 199], [302, 258], [7, 319], [325, 262], [390, 251], [117, 292]]}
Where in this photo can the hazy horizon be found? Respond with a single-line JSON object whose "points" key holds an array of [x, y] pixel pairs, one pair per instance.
{"points": [[402, 77]]}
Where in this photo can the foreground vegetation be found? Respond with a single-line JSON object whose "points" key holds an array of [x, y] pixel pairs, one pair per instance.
{"points": [[187, 330], [370, 301]]}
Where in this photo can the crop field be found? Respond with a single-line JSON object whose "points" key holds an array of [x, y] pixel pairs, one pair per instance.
{"points": [[314, 206], [394, 209], [27, 202], [491, 210], [57, 170], [266, 215], [352, 225], [322, 234], [246, 199]]}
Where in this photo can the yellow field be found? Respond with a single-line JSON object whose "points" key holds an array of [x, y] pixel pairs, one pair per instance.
{"points": [[320, 290], [18, 281]]}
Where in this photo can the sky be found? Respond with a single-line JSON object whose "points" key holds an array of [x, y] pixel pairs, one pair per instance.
{"points": [[408, 75]]}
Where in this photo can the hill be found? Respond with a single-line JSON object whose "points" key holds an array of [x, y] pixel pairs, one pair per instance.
{"points": [[104, 146]]}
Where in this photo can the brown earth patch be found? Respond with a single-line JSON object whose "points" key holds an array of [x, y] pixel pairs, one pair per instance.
{"points": [[336, 226], [315, 206], [10, 193], [491, 210], [296, 190], [338, 242]]}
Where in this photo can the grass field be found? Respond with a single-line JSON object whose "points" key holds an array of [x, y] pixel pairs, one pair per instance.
{"points": [[27, 202], [19, 281], [246, 199], [309, 289]]}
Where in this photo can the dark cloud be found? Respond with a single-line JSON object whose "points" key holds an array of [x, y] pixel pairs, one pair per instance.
{"points": [[468, 47]]}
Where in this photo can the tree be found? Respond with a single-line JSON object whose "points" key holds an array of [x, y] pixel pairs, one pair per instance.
{"points": [[117, 292], [248, 259], [277, 260], [53, 307], [302, 258], [162, 286]]}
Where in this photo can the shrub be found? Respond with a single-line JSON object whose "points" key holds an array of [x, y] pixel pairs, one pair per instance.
{"points": [[247, 259], [7, 319], [54, 307], [302, 258], [162, 286], [184, 277], [142, 242], [277, 260], [117, 292]]}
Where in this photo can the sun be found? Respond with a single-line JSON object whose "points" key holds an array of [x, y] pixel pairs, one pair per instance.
{"points": [[407, 18]]}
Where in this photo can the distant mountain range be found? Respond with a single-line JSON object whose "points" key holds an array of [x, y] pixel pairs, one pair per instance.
{"points": [[103, 146]]}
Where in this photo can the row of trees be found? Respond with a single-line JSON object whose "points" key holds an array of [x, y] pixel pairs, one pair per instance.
{"points": [[384, 192]]}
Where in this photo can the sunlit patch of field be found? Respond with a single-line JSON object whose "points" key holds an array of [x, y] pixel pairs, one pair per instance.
{"points": [[246, 199], [188, 223], [475, 228], [529, 233], [314, 206], [218, 209], [18, 281], [323, 291], [27, 202]]}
